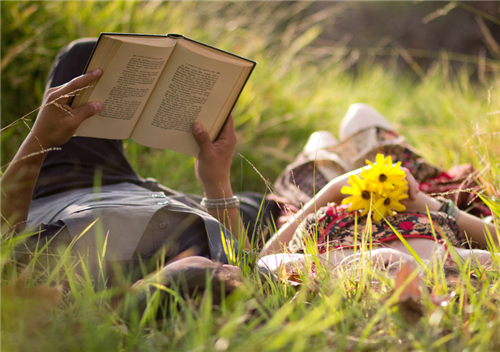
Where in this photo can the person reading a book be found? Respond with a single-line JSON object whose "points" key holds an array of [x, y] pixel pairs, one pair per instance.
{"points": [[320, 214], [52, 186], [83, 190], [154, 88]]}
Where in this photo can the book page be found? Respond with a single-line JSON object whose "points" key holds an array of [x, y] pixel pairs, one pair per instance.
{"points": [[191, 88], [101, 57], [124, 89]]}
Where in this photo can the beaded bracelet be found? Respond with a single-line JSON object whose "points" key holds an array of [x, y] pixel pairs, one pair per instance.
{"points": [[449, 207], [232, 202]]}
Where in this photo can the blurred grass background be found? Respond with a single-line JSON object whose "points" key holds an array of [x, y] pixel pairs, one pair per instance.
{"points": [[302, 83], [448, 108]]}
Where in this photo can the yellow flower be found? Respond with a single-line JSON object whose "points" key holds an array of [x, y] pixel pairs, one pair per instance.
{"points": [[378, 189], [383, 175], [360, 197], [388, 203]]}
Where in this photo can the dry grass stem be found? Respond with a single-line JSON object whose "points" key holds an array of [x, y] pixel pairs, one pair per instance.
{"points": [[488, 37], [69, 95], [489, 95], [32, 154], [268, 184], [439, 13], [53, 102], [455, 191]]}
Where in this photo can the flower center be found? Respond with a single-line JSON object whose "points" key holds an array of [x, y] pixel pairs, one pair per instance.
{"points": [[382, 177], [387, 201], [365, 194]]}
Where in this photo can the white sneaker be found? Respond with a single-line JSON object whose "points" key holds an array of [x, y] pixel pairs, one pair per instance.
{"points": [[320, 140], [360, 116]]}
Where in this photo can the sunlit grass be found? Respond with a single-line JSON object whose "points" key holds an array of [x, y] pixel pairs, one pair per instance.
{"points": [[297, 88]]}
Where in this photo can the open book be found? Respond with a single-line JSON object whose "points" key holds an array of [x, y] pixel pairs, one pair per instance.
{"points": [[155, 87]]}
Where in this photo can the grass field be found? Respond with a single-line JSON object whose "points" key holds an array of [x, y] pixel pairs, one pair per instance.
{"points": [[298, 87]]}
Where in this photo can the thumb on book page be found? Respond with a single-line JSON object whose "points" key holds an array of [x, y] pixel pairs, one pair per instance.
{"points": [[87, 110]]}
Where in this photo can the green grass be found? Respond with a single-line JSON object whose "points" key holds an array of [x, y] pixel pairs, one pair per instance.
{"points": [[298, 87]]}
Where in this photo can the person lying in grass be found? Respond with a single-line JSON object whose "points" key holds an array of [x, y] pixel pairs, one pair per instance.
{"points": [[83, 193], [334, 224], [328, 224], [50, 187]]}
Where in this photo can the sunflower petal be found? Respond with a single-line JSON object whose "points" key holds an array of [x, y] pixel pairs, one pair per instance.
{"points": [[348, 190], [398, 207]]}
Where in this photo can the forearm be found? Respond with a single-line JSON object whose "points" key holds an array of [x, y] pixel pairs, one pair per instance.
{"points": [[421, 203], [18, 183], [55, 124], [329, 193], [471, 226], [229, 217], [476, 229]]}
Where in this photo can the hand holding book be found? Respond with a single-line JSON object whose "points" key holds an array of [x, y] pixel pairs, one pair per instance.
{"points": [[155, 87], [213, 163], [56, 121]]}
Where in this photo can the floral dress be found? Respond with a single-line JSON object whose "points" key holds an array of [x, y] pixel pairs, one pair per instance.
{"points": [[312, 170], [334, 227]]}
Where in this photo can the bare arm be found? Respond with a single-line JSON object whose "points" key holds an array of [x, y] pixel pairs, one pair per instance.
{"points": [[329, 193], [470, 225], [54, 126], [212, 168]]}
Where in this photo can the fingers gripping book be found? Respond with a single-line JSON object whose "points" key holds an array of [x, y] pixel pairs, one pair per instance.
{"points": [[155, 87]]}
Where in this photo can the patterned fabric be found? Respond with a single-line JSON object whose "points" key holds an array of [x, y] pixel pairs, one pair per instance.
{"points": [[334, 227], [458, 184], [308, 174], [311, 171]]}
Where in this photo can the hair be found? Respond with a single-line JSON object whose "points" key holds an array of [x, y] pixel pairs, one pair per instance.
{"points": [[194, 281], [191, 282]]}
